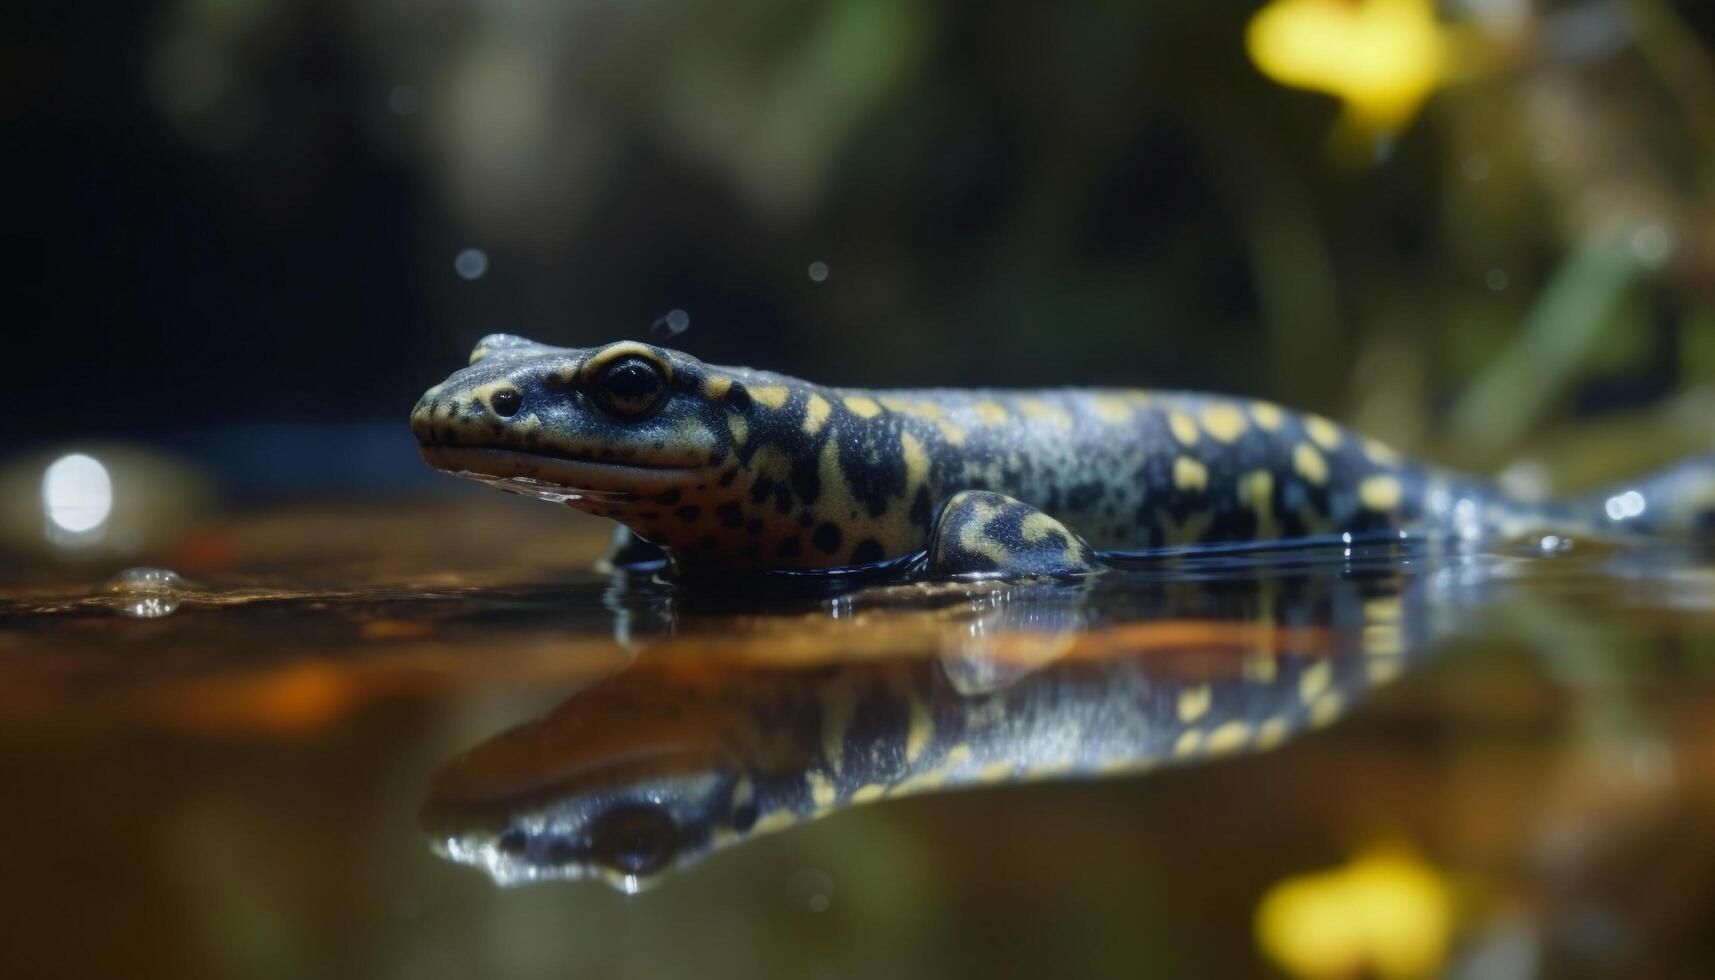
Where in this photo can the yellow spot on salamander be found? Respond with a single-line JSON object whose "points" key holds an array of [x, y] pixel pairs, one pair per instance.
{"points": [[1309, 463], [1228, 738], [922, 728], [479, 354], [1224, 422], [1037, 526], [1049, 412], [774, 820], [1314, 680], [1323, 432], [1194, 703], [994, 772], [1183, 428], [1382, 671], [862, 406], [916, 462], [957, 757], [816, 409], [869, 793], [1326, 709], [1187, 744], [1271, 733], [1259, 668], [770, 396], [1380, 453], [1268, 417], [717, 385], [1379, 493], [740, 428], [1383, 610], [950, 432], [1190, 475], [1383, 640], [1256, 489], [1112, 410], [822, 791], [990, 412]]}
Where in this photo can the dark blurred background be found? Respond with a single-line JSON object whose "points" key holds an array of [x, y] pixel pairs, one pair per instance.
{"points": [[256, 213]]}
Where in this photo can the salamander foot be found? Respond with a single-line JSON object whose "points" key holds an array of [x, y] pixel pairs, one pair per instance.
{"points": [[990, 535]]}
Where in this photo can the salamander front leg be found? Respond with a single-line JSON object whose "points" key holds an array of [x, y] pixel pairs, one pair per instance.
{"points": [[990, 535]]}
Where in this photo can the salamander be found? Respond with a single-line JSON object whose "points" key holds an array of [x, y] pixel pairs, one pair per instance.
{"points": [[723, 468], [698, 747]]}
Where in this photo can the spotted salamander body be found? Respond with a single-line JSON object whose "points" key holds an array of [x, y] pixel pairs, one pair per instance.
{"points": [[734, 468]]}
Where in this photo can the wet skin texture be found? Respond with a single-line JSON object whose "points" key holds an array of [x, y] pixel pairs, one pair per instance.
{"points": [[732, 468]]}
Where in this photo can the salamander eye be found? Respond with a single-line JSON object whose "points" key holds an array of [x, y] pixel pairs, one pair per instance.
{"points": [[634, 840], [628, 387]]}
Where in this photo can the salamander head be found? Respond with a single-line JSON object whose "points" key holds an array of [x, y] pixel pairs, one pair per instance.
{"points": [[623, 430]]}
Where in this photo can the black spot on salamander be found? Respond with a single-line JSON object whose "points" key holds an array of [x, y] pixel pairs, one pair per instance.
{"points": [[790, 547], [738, 397], [667, 499], [826, 537], [782, 498], [807, 519], [868, 550], [726, 478], [921, 506], [744, 817], [731, 514], [754, 527], [805, 479], [689, 512], [760, 490]]}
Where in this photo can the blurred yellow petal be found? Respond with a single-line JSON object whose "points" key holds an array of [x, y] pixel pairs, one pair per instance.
{"points": [[1381, 58], [1388, 913]]}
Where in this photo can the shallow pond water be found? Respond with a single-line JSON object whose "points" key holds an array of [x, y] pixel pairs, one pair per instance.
{"points": [[319, 744]]}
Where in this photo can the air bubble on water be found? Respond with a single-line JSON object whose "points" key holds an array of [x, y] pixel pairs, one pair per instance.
{"points": [[471, 263], [672, 324], [147, 593], [818, 271]]}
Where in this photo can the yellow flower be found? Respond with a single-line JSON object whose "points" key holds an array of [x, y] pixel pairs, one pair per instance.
{"points": [[1380, 58], [1387, 913]]}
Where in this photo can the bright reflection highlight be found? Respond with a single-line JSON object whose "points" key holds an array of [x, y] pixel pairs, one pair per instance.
{"points": [[77, 493]]}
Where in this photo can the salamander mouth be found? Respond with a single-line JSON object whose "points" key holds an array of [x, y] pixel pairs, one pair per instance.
{"points": [[555, 478]]}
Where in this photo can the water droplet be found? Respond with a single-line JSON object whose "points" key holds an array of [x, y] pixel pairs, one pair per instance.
{"points": [[1497, 279], [471, 263], [147, 593], [818, 271], [674, 323]]}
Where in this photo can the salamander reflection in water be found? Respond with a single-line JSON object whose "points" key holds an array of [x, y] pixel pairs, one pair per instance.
{"points": [[693, 748]]}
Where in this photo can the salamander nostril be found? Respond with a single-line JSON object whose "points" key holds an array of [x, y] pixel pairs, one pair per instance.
{"points": [[505, 403]]}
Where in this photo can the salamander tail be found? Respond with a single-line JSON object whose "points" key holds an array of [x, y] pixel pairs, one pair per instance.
{"points": [[1677, 500]]}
